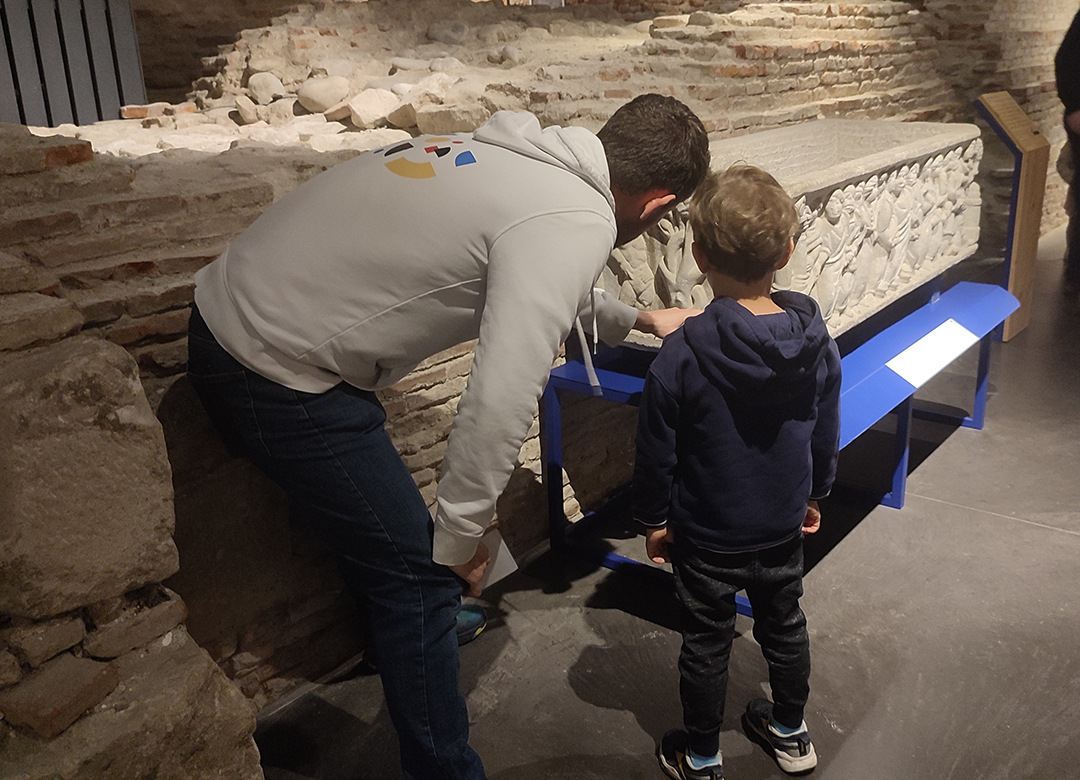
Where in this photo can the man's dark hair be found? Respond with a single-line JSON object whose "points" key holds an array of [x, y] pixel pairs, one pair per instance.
{"points": [[655, 142]]}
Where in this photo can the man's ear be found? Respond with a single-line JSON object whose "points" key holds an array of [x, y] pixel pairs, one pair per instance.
{"points": [[655, 207], [787, 255]]}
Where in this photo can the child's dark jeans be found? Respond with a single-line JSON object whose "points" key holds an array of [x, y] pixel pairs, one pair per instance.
{"points": [[707, 582]]}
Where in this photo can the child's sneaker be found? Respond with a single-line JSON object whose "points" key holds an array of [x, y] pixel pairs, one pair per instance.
{"points": [[794, 754], [672, 756]]}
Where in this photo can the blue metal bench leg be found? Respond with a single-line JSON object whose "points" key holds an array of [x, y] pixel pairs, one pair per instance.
{"points": [[895, 497], [982, 382], [551, 425]]}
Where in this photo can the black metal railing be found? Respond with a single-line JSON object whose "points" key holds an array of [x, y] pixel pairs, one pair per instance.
{"points": [[68, 61]]}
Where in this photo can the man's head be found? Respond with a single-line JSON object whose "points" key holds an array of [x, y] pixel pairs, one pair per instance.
{"points": [[743, 223], [657, 153]]}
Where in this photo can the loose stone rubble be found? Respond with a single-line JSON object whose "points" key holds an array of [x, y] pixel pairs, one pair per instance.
{"points": [[439, 66]]}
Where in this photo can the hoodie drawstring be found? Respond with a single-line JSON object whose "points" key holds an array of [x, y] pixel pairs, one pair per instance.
{"points": [[594, 381]]}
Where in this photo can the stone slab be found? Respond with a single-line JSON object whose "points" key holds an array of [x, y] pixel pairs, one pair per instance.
{"points": [[174, 715], [829, 152], [129, 330], [20, 229], [167, 358], [10, 671], [55, 696], [134, 627], [138, 297], [38, 642], [26, 318], [442, 120], [23, 152], [104, 175], [85, 480], [19, 275]]}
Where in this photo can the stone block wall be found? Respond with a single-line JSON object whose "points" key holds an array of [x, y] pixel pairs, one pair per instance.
{"points": [[95, 249], [98, 676]]}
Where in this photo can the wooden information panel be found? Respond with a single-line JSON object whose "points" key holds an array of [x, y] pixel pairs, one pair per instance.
{"points": [[1032, 153]]}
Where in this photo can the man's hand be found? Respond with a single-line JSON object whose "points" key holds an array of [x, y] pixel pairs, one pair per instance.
{"points": [[662, 322], [658, 544], [812, 522], [473, 571]]}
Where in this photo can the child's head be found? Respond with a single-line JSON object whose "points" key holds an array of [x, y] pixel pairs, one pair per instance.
{"points": [[743, 222]]}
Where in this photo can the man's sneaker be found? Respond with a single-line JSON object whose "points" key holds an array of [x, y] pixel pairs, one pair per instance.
{"points": [[672, 756], [794, 754], [471, 620]]}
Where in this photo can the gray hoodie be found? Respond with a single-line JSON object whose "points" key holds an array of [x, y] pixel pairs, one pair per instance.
{"points": [[389, 258]]}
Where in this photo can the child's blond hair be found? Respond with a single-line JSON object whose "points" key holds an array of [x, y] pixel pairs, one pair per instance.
{"points": [[743, 222]]}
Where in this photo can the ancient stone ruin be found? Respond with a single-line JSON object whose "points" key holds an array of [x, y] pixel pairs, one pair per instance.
{"points": [[153, 594], [326, 75]]}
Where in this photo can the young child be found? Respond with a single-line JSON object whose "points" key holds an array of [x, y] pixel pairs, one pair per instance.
{"points": [[737, 439]]}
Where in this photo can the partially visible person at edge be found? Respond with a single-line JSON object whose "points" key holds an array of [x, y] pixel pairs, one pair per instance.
{"points": [[348, 282], [1067, 72]]}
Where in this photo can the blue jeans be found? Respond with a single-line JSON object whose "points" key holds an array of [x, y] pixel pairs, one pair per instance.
{"points": [[344, 478], [706, 583]]}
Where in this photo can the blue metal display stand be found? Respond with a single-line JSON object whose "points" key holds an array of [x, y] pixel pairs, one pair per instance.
{"points": [[870, 390]]}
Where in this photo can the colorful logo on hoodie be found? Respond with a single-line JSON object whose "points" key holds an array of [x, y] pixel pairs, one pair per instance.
{"points": [[417, 159]]}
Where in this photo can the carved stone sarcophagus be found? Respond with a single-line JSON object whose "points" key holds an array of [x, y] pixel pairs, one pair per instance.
{"points": [[884, 206]]}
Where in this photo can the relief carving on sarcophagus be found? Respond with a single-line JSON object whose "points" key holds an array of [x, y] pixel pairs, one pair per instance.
{"points": [[884, 206]]}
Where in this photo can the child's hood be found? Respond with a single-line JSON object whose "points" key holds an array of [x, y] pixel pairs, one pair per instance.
{"points": [[765, 359], [572, 148]]}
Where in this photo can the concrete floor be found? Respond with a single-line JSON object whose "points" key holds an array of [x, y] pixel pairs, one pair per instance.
{"points": [[945, 636]]}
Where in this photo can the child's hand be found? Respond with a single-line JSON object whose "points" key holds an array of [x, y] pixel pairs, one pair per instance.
{"points": [[658, 542], [812, 522]]}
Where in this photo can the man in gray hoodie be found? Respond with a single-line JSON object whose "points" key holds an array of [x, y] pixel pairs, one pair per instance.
{"points": [[348, 282]]}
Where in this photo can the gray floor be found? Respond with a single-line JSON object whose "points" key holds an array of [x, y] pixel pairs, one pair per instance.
{"points": [[946, 635]]}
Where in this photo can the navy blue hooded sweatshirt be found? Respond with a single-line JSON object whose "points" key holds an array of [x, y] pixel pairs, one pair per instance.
{"points": [[739, 425]]}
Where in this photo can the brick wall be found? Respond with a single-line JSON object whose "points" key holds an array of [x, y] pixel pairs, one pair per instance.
{"points": [[928, 59]]}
